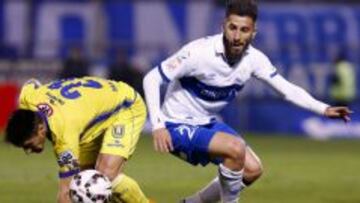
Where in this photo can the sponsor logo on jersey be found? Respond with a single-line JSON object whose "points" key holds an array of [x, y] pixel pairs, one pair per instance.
{"points": [[116, 143], [54, 99], [45, 109]]}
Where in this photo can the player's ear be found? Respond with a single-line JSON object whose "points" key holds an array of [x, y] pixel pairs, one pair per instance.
{"points": [[42, 128], [254, 33]]}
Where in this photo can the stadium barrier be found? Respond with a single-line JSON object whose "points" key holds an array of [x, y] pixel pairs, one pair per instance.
{"points": [[8, 93]]}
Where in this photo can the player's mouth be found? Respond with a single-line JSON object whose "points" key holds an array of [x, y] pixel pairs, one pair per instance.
{"points": [[238, 47], [37, 150]]}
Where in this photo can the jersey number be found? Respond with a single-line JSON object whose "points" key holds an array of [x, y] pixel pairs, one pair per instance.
{"points": [[69, 90]]}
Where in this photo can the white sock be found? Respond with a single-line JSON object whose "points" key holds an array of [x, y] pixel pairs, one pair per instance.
{"points": [[231, 184], [209, 194]]}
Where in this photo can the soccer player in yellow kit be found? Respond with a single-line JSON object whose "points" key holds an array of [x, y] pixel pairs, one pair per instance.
{"points": [[91, 122]]}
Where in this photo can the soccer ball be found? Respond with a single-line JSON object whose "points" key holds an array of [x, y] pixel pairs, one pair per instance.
{"points": [[90, 186]]}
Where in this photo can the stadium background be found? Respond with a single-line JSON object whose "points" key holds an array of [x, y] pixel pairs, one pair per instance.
{"points": [[300, 37]]}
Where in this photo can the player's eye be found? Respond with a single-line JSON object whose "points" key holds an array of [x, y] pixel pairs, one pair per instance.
{"points": [[245, 29], [232, 27]]}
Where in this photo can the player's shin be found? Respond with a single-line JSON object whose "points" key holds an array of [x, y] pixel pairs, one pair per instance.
{"points": [[231, 184], [127, 190]]}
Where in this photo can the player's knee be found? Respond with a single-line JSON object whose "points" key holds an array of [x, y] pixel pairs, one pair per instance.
{"points": [[257, 172], [109, 172], [236, 150], [109, 165]]}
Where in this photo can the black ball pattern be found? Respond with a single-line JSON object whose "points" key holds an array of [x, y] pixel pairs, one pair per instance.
{"points": [[93, 197]]}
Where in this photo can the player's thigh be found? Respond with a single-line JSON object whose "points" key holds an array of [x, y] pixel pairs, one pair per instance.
{"points": [[227, 145], [88, 153], [121, 137]]}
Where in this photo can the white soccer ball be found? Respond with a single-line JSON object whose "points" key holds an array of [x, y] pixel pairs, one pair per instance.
{"points": [[90, 186]]}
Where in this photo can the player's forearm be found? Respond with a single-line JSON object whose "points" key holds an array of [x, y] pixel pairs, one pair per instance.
{"points": [[151, 84], [63, 191], [303, 99], [298, 96], [63, 198]]}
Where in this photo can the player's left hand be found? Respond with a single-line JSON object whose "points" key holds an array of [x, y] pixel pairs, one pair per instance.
{"points": [[341, 112]]}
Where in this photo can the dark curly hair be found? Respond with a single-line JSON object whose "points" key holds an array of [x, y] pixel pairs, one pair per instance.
{"points": [[21, 124], [242, 8]]}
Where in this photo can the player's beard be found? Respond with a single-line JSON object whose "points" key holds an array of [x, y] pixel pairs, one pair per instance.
{"points": [[234, 51]]}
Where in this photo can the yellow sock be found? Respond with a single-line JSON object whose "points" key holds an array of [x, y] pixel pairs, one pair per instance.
{"points": [[126, 190]]}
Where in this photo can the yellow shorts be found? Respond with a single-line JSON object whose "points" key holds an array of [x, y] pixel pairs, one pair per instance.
{"points": [[120, 138]]}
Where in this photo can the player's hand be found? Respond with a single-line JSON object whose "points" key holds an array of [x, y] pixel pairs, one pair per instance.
{"points": [[341, 112], [162, 140]]}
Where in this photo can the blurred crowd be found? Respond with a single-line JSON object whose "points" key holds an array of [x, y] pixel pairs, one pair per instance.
{"points": [[120, 68]]}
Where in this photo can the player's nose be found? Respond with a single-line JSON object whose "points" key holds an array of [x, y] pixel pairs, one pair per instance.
{"points": [[236, 36]]}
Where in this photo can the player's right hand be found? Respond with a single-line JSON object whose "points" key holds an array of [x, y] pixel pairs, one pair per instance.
{"points": [[341, 112], [162, 140]]}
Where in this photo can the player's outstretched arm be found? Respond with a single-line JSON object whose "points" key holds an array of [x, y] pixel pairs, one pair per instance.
{"points": [[340, 112], [296, 94], [162, 140]]}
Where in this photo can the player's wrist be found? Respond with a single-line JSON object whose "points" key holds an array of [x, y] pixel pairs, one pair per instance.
{"points": [[325, 110], [158, 126]]}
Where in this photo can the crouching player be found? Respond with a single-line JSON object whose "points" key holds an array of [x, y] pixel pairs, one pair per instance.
{"points": [[91, 122]]}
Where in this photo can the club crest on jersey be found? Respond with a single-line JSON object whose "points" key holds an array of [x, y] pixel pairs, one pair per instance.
{"points": [[45, 109], [176, 62], [118, 131]]}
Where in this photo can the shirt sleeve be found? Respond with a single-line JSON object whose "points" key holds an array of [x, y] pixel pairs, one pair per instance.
{"points": [[27, 91], [66, 148], [151, 84], [297, 95], [265, 71], [67, 160], [176, 66], [263, 68], [179, 64]]}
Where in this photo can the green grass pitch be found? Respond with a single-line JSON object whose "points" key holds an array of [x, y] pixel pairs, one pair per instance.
{"points": [[297, 170]]}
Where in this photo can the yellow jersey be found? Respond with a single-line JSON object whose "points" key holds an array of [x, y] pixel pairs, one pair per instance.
{"points": [[76, 111]]}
